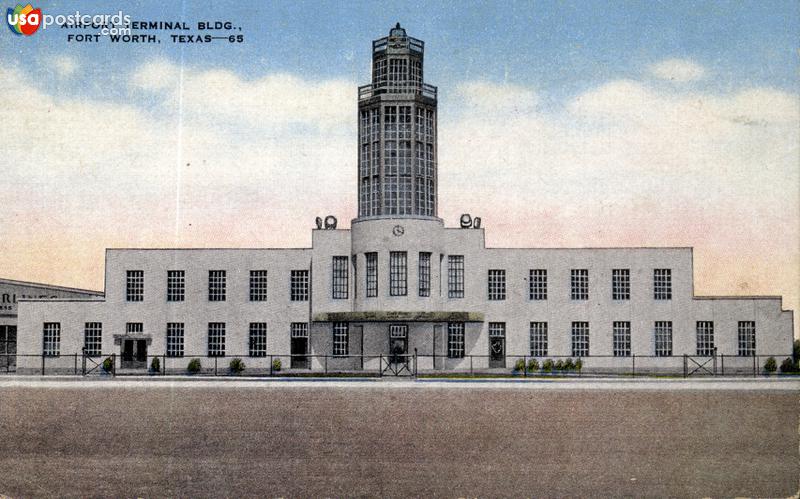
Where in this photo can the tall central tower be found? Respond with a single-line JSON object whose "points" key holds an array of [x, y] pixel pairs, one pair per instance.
{"points": [[397, 174]]}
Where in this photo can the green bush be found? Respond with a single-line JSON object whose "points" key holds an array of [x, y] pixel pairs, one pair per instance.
{"points": [[108, 365], [788, 366], [547, 365], [770, 365], [155, 365], [533, 365], [578, 365], [559, 365], [237, 365], [569, 365], [194, 366], [276, 365], [519, 366]]}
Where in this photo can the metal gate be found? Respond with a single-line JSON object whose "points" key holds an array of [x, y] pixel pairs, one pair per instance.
{"points": [[699, 365]]}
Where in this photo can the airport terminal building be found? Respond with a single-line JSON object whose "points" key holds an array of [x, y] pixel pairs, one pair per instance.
{"points": [[399, 283]]}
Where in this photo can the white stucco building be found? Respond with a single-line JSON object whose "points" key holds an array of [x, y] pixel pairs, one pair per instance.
{"points": [[399, 282]]}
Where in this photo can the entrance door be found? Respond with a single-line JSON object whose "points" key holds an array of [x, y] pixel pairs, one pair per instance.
{"points": [[497, 344], [134, 354], [398, 343], [8, 348], [299, 351]]}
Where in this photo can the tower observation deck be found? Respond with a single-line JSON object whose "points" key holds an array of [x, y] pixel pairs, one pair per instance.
{"points": [[397, 172]]}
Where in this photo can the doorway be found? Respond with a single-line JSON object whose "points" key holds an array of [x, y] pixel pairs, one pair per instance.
{"points": [[398, 343], [134, 354], [497, 345], [299, 347], [8, 348]]}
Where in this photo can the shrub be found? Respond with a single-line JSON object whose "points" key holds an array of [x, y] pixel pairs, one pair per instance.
{"points": [[237, 365], [533, 365], [194, 366], [559, 365], [519, 365], [108, 365], [578, 365], [770, 365], [547, 366], [155, 365], [788, 366], [276, 365], [569, 365]]}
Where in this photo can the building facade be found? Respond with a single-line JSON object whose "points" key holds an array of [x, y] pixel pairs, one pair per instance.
{"points": [[399, 284]]}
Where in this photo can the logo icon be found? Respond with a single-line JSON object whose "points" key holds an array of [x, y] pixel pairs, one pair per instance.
{"points": [[24, 20]]}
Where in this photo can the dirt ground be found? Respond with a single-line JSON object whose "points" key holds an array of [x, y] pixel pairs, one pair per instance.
{"points": [[336, 441]]}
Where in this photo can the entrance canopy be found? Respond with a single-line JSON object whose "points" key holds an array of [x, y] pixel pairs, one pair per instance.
{"points": [[397, 316]]}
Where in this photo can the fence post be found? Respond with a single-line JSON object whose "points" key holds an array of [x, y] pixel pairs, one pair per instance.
{"points": [[755, 362], [215, 366], [164, 365], [326, 363], [42, 364], [380, 365], [684, 365], [114, 364], [634, 365], [524, 366], [470, 365], [723, 364], [271, 357], [415, 362]]}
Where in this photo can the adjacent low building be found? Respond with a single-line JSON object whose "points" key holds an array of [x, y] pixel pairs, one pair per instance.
{"points": [[399, 286]]}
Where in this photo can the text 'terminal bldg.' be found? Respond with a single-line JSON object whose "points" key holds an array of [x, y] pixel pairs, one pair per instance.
{"points": [[399, 284]]}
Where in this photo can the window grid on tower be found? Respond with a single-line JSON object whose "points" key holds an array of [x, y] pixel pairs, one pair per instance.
{"points": [[404, 122], [621, 284], [497, 284], [538, 339], [424, 274], [663, 338], [579, 280], [398, 273], [371, 275], [622, 338]]}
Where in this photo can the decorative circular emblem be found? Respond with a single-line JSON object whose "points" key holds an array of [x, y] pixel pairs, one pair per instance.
{"points": [[398, 230]]}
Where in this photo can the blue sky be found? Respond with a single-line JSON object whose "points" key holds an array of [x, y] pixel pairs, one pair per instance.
{"points": [[561, 48]]}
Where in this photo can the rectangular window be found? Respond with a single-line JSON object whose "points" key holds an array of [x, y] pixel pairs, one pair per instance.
{"points": [[176, 285], [341, 339], [580, 339], [538, 339], [134, 285], [340, 278], [579, 281], [747, 338], [258, 339], [455, 276], [92, 338], [299, 330], [216, 339], [398, 273], [174, 339], [51, 339], [497, 284], [258, 285], [662, 284], [372, 274], [497, 330], [621, 284], [537, 284], [455, 340], [705, 338], [424, 274], [622, 339], [299, 285], [217, 285], [663, 338], [134, 328]]}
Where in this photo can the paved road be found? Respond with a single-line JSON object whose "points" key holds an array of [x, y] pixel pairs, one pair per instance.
{"points": [[214, 439]]}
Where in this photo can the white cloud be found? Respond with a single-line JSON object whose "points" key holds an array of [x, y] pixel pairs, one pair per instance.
{"points": [[498, 98], [64, 65], [678, 70]]}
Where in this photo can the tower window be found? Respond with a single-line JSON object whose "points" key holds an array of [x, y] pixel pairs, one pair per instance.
{"points": [[424, 274], [398, 273], [372, 274]]}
